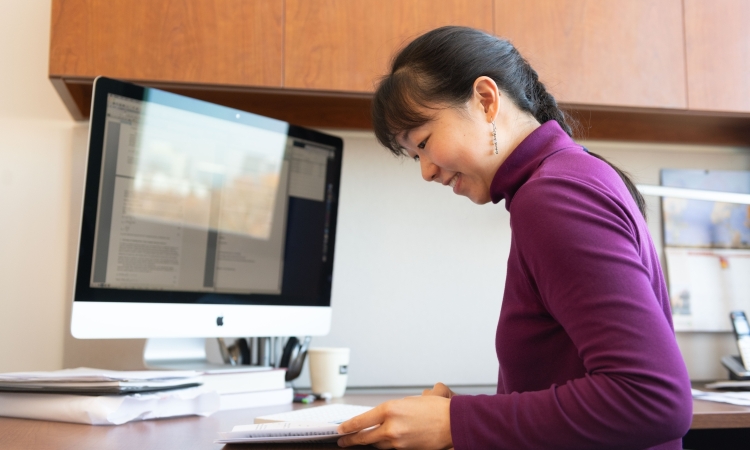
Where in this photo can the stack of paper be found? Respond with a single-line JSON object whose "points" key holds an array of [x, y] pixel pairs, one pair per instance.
{"points": [[96, 381], [109, 409], [91, 395], [74, 395], [734, 398]]}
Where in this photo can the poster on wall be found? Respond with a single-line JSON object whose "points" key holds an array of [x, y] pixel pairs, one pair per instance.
{"points": [[705, 285], [707, 250]]}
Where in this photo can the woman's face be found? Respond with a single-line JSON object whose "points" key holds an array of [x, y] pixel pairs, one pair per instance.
{"points": [[456, 147]]}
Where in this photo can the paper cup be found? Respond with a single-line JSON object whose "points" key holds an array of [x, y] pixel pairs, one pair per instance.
{"points": [[328, 370]]}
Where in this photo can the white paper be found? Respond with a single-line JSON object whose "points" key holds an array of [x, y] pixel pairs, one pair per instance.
{"points": [[733, 398], [86, 374], [333, 414], [109, 409]]}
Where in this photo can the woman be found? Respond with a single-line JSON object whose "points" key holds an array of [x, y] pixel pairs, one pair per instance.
{"points": [[585, 341]]}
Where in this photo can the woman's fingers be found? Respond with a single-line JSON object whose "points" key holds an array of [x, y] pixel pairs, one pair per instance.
{"points": [[364, 437], [440, 390], [373, 417]]}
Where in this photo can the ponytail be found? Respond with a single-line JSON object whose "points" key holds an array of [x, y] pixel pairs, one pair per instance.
{"points": [[542, 105], [544, 108]]}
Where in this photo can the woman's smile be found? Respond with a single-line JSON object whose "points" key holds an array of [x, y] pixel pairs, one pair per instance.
{"points": [[453, 182]]}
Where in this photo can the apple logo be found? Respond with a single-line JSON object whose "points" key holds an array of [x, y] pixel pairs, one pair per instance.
{"points": [[220, 321]]}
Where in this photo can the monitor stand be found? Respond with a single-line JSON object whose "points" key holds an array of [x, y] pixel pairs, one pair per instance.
{"points": [[191, 354]]}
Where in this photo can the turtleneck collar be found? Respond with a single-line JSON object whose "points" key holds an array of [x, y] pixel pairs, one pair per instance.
{"points": [[522, 162]]}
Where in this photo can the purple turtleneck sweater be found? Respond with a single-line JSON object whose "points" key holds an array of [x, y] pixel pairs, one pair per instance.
{"points": [[587, 352]]}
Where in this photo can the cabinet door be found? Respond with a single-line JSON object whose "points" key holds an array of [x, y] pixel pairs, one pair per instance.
{"points": [[717, 36], [345, 45], [202, 41], [601, 52]]}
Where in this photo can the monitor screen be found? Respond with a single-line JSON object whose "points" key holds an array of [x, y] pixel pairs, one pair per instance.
{"points": [[192, 203]]}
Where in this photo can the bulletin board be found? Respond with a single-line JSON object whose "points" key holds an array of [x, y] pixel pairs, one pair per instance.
{"points": [[707, 250]]}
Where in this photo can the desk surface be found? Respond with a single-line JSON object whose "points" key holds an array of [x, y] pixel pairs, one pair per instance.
{"points": [[179, 433], [200, 432], [711, 415]]}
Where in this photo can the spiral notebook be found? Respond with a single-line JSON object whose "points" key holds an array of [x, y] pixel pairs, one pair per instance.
{"points": [[280, 432]]}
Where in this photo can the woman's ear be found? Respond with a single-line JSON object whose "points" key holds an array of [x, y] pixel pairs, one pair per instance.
{"points": [[487, 95]]}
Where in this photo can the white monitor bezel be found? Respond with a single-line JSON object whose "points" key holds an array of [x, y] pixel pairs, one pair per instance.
{"points": [[116, 320]]}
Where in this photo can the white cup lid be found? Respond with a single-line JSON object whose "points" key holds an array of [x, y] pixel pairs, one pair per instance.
{"points": [[328, 350]]}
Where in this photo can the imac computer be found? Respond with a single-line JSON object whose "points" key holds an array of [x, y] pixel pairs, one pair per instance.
{"points": [[201, 220]]}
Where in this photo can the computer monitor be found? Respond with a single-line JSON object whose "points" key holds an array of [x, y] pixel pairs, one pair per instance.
{"points": [[201, 220]]}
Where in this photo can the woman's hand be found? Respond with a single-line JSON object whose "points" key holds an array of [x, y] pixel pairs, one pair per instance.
{"points": [[412, 422]]}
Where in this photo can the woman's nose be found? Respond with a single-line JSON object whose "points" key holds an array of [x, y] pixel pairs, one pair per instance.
{"points": [[429, 170]]}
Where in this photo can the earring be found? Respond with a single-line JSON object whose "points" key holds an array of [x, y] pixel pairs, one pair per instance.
{"points": [[494, 137]]}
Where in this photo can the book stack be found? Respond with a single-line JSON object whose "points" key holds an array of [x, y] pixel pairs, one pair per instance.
{"points": [[253, 387]]}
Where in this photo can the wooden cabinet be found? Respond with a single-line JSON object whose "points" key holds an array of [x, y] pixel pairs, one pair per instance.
{"points": [[601, 52], [644, 70], [344, 45], [213, 42], [202, 41], [717, 35]]}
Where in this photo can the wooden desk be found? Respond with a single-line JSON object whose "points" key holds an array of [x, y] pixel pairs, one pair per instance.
{"points": [[717, 425], [185, 433], [712, 415], [200, 432]]}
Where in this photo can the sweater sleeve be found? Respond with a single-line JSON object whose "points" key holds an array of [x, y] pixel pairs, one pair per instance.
{"points": [[581, 249]]}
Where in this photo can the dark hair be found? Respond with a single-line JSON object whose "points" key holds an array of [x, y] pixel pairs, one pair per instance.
{"points": [[439, 68]]}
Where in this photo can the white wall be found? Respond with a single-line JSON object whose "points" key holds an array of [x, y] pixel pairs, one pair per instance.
{"points": [[419, 272], [36, 134]]}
